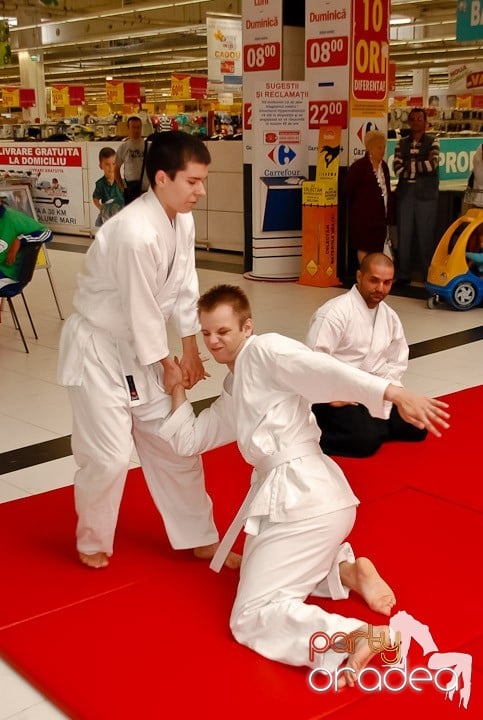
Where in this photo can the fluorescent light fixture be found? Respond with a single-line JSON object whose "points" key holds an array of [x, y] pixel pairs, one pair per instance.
{"points": [[400, 21]]}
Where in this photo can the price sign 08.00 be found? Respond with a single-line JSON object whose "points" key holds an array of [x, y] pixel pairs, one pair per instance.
{"points": [[264, 56], [327, 52]]}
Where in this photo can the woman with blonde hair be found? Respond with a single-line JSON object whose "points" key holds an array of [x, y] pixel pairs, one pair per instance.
{"points": [[370, 201]]}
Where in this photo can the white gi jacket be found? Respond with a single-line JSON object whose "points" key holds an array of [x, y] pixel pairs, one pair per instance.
{"points": [[265, 407], [345, 328], [138, 274]]}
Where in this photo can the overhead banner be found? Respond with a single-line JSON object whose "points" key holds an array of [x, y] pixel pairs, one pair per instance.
{"points": [[224, 41], [469, 20]]}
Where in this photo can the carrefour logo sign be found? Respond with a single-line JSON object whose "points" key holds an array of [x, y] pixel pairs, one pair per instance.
{"points": [[282, 155]]}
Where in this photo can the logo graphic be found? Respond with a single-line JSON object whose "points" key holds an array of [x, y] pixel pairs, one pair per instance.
{"points": [[331, 153], [365, 128], [395, 675], [282, 155]]}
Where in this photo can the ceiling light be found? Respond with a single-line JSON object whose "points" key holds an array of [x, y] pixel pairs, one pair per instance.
{"points": [[400, 21]]}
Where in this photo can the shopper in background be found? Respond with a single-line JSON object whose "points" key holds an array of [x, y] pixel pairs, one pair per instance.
{"points": [[368, 190], [131, 157], [473, 197], [416, 164]]}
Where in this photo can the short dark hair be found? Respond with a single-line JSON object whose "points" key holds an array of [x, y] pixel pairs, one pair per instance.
{"points": [[134, 117], [105, 153], [171, 151], [417, 110], [226, 295], [375, 259]]}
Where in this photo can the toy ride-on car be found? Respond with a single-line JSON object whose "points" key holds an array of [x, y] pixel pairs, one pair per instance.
{"points": [[456, 270]]}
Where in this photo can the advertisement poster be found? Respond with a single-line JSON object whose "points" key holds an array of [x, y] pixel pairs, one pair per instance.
{"points": [[93, 174], [369, 72], [55, 176], [465, 78], [319, 214], [224, 40], [327, 69]]}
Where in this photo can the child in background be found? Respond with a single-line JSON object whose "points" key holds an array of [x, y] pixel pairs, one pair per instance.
{"points": [[107, 196]]}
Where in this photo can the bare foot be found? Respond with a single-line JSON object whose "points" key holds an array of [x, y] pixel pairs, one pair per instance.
{"points": [[347, 674], [96, 560], [363, 577], [206, 552]]}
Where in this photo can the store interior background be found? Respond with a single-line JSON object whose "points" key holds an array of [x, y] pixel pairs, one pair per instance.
{"points": [[55, 43]]}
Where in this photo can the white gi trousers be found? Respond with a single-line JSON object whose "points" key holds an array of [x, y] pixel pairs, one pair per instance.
{"points": [[104, 428], [282, 565]]}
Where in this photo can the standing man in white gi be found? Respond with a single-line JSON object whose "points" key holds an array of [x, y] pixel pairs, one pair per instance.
{"points": [[300, 507], [360, 329], [139, 274]]}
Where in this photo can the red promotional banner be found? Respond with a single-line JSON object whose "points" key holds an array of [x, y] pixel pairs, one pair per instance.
{"points": [[132, 92], [27, 97], [370, 50], [198, 86], [76, 94]]}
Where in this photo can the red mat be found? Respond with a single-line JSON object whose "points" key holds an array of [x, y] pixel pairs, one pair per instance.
{"points": [[149, 636]]}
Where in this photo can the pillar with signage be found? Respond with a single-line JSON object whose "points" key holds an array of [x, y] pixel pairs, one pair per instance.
{"points": [[275, 146], [278, 170], [327, 70]]}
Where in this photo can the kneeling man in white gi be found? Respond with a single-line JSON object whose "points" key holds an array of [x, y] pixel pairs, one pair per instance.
{"points": [[300, 507], [360, 329]]}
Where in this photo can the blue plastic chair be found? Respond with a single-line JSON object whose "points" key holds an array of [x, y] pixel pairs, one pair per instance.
{"points": [[28, 253]]}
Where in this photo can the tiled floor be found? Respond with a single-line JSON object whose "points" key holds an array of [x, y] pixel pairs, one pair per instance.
{"points": [[34, 409]]}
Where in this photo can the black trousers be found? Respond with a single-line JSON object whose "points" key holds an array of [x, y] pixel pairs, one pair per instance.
{"points": [[132, 191], [351, 431]]}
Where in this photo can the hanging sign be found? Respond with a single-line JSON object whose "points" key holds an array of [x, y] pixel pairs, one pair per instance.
{"points": [[180, 86], [27, 97], [76, 95], [10, 97], [115, 91], [60, 95], [132, 92]]}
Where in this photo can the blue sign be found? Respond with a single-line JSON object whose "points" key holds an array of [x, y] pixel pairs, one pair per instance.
{"points": [[455, 157], [469, 20]]}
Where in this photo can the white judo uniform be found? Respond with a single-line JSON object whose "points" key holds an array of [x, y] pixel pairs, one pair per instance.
{"points": [[371, 340], [139, 273], [300, 507]]}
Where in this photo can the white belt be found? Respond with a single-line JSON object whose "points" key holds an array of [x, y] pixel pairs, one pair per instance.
{"points": [[265, 465]]}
